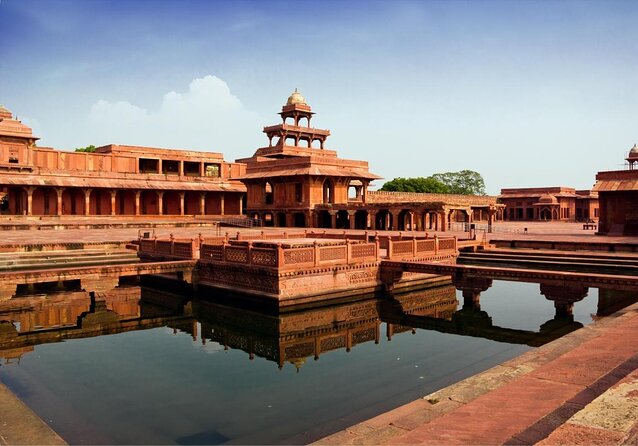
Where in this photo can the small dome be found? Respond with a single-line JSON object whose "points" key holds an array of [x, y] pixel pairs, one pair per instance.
{"points": [[547, 199], [296, 98], [634, 151], [5, 112]]}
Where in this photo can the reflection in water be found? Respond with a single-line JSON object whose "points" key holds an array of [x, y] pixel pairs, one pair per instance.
{"points": [[143, 386], [290, 337]]}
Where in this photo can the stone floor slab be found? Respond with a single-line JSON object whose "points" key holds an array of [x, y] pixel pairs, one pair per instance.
{"points": [[571, 434]]}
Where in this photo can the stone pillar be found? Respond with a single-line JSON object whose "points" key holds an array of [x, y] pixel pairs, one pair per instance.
{"points": [[181, 202], [290, 222], [351, 218], [202, 203], [201, 169], [221, 204], [180, 169], [137, 202], [443, 215], [309, 218], [411, 219], [87, 201], [333, 219], [159, 166], [315, 219], [113, 196], [59, 192], [372, 217], [395, 220], [471, 289], [241, 206], [564, 296], [29, 191], [160, 202]]}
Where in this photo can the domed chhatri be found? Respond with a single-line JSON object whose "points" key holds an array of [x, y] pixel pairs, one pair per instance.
{"points": [[296, 98], [5, 112], [547, 199], [634, 151]]}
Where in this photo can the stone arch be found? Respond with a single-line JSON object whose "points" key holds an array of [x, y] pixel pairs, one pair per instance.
{"points": [[403, 220], [324, 219], [300, 122], [269, 193], [125, 202], [343, 221], [268, 219], [191, 203], [328, 191], [384, 220], [171, 203], [73, 201], [361, 219], [100, 202], [149, 202], [299, 220], [44, 201]]}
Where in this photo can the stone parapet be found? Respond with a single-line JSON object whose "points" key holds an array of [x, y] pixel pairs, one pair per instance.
{"points": [[414, 197]]}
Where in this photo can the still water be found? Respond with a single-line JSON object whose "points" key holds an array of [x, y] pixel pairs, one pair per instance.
{"points": [[179, 372]]}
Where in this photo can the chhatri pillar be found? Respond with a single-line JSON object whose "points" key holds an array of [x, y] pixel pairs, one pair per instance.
{"points": [[564, 296]]}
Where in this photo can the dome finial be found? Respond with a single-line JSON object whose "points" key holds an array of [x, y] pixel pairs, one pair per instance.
{"points": [[296, 98]]}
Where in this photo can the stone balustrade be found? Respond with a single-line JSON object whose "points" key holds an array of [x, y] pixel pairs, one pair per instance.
{"points": [[290, 256], [300, 249], [416, 248], [169, 249]]}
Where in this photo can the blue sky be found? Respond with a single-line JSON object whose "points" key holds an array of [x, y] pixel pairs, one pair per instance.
{"points": [[528, 93]]}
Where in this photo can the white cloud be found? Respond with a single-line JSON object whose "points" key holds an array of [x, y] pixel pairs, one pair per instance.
{"points": [[207, 117]]}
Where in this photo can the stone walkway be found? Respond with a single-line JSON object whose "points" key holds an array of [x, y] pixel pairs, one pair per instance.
{"points": [[581, 389], [502, 230]]}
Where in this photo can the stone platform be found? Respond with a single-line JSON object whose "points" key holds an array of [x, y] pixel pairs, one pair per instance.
{"points": [[293, 268]]}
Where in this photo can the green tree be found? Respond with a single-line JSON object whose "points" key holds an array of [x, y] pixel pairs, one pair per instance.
{"points": [[422, 185], [465, 182], [90, 149]]}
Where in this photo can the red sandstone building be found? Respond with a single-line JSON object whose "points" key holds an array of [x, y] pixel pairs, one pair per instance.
{"points": [[293, 182], [115, 180], [549, 204], [618, 195], [296, 182]]}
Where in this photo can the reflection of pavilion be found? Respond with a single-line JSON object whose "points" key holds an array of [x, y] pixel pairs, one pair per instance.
{"points": [[29, 321], [295, 337]]}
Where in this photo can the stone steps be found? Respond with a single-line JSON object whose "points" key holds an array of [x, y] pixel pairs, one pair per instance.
{"points": [[605, 264], [60, 259]]}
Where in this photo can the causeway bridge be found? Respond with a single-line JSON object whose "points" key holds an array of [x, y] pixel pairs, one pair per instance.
{"points": [[394, 269]]}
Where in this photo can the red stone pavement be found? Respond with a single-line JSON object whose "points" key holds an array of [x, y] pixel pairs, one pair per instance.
{"points": [[501, 230]]}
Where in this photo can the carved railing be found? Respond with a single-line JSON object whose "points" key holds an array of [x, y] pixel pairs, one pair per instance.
{"points": [[259, 251], [169, 249], [418, 248], [290, 257]]}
